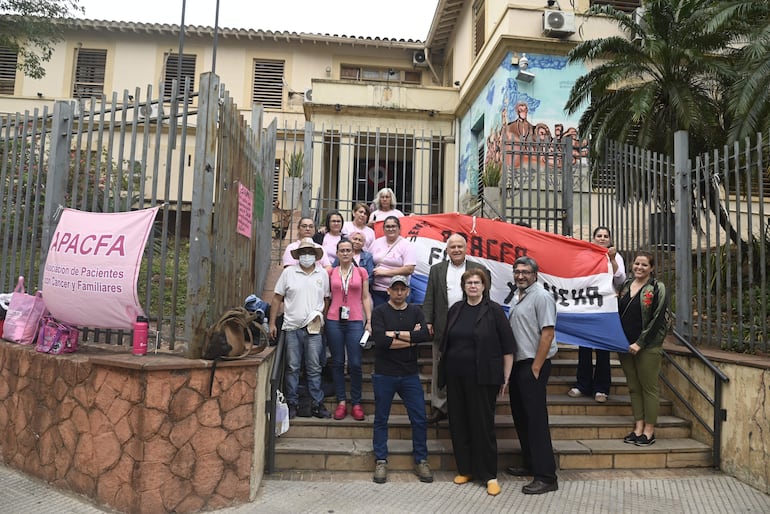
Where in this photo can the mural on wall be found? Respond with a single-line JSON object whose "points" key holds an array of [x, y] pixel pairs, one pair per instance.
{"points": [[511, 113]]}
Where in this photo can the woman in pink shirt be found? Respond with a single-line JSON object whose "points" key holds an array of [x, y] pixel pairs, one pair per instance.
{"points": [[350, 313], [393, 255]]}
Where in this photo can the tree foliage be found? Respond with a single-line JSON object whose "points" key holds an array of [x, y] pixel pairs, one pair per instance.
{"points": [[695, 65], [31, 28]]}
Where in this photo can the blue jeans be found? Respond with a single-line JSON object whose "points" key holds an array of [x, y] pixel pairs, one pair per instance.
{"points": [[410, 391], [342, 337], [379, 297], [300, 344]]}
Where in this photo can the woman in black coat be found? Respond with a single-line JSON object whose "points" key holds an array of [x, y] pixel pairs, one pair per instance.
{"points": [[476, 362]]}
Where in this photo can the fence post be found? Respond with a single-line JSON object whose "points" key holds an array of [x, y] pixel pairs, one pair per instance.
{"points": [[683, 202], [199, 292], [56, 177], [307, 178]]}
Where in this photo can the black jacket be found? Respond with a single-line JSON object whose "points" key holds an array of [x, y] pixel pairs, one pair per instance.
{"points": [[493, 337]]}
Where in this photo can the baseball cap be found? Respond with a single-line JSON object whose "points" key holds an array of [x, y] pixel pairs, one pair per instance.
{"points": [[399, 279]]}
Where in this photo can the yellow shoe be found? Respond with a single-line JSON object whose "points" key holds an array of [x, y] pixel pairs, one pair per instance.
{"points": [[493, 488], [462, 479]]}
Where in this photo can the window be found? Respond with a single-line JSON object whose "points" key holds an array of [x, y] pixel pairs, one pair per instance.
{"points": [[267, 88], [622, 5], [89, 73], [384, 74], [479, 36], [175, 72], [8, 62]]}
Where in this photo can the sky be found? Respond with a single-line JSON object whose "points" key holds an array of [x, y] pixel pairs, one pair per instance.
{"points": [[397, 19]]}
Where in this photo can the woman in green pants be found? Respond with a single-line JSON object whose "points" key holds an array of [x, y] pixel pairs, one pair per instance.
{"points": [[643, 303]]}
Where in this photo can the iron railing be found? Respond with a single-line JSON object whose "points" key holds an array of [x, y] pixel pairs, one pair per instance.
{"points": [[276, 382]]}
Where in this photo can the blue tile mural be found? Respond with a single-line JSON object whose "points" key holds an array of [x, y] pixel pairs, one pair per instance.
{"points": [[513, 111]]}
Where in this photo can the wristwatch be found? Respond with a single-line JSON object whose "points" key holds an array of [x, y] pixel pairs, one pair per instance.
{"points": [[396, 333]]}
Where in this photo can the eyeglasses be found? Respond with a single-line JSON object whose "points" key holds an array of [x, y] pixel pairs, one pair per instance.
{"points": [[306, 252], [522, 272], [390, 227], [473, 283], [307, 226]]}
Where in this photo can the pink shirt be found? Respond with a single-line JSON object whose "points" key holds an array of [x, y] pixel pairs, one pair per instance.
{"points": [[354, 298], [401, 253], [379, 215], [330, 246], [349, 228]]}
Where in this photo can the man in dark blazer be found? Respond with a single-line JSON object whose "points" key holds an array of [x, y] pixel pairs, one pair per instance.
{"points": [[443, 290]]}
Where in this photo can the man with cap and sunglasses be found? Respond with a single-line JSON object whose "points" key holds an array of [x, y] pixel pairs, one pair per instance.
{"points": [[397, 327], [303, 288]]}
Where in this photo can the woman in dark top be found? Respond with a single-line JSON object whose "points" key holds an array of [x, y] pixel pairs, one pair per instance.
{"points": [[642, 305], [476, 362]]}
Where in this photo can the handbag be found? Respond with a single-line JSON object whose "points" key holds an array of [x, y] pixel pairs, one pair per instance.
{"points": [[281, 414], [23, 316], [56, 338]]}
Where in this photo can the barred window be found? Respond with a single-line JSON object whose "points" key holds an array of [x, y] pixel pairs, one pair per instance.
{"points": [[622, 5], [89, 73], [380, 74], [8, 62], [173, 72], [267, 88]]}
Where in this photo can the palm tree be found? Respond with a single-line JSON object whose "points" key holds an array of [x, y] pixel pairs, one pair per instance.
{"points": [[673, 75]]}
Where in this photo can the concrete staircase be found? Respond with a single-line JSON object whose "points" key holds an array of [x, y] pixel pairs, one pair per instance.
{"points": [[586, 434]]}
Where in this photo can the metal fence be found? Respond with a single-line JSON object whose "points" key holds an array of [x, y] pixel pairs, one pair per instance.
{"points": [[133, 151]]}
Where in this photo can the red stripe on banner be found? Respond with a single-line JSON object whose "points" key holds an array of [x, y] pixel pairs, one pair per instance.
{"points": [[503, 242]]}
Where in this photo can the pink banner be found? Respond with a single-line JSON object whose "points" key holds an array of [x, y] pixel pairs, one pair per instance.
{"points": [[92, 267], [245, 210]]}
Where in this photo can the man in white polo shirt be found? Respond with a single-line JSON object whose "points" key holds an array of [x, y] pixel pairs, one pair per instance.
{"points": [[304, 290]]}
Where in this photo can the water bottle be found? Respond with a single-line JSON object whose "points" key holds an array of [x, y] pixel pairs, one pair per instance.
{"points": [[141, 328]]}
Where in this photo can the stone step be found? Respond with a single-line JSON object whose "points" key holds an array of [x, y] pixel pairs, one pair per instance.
{"points": [[618, 404], [563, 426], [355, 454]]}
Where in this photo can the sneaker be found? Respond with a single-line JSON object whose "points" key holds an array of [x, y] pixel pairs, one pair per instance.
{"points": [[643, 440], [631, 438], [574, 393], [600, 397], [358, 413], [380, 472], [341, 412], [319, 411], [292, 411], [423, 472]]}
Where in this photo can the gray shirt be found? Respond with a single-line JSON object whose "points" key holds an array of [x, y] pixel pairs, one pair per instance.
{"points": [[528, 316]]}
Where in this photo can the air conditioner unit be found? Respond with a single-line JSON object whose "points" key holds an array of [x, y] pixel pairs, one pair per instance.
{"points": [[308, 95], [419, 59], [558, 23], [148, 111]]}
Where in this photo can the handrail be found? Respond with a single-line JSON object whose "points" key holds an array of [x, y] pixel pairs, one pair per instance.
{"points": [[276, 377], [720, 414]]}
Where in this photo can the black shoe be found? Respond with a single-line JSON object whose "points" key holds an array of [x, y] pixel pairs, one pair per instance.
{"points": [[319, 411], [642, 440], [292, 411], [631, 438], [539, 487], [518, 472], [435, 416]]}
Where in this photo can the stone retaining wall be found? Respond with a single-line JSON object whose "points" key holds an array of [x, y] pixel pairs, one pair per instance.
{"points": [[139, 434]]}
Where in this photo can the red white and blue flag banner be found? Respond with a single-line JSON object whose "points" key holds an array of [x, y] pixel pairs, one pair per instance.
{"points": [[577, 273], [92, 267]]}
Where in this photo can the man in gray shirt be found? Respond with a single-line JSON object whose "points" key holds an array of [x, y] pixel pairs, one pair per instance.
{"points": [[532, 318]]}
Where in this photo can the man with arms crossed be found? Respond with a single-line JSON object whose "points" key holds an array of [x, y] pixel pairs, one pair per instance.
{"points": [[532, 318], [443, 291]]}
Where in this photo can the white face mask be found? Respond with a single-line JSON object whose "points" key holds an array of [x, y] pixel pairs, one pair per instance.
{"points": [[306, 261]]}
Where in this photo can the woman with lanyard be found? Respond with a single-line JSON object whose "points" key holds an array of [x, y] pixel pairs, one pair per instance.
{"points": [[350, 313], [393, 255]]}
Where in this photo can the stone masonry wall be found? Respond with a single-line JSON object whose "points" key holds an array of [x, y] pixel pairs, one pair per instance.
{"points": [[139, 434], [745, 452]]}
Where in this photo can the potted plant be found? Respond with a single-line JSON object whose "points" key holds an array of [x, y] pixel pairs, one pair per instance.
{"points": [[292, 183], [491, 176]]}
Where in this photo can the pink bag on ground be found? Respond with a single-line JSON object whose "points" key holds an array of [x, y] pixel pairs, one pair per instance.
{"points": [[23, 316], [55, 337]]}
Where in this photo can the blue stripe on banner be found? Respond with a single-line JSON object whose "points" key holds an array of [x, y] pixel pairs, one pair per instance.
{"points": [[602, 331], [418, 285]]}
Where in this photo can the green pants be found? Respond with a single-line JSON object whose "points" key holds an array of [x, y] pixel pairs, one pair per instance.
{"points": [[642, 372]]}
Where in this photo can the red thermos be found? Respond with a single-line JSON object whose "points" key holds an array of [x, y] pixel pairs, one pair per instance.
{"points": [[141, 328]]}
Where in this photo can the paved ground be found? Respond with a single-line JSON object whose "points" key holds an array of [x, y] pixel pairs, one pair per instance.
{"points": [[611, 491]]}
